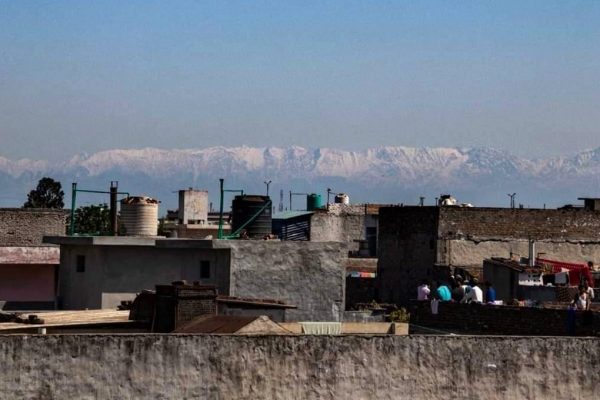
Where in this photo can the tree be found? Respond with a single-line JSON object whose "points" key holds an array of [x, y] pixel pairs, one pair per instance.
{"points": [[47, 194], [92, 220]]}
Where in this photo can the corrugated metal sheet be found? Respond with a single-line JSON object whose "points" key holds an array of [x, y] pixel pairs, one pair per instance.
{"points": [[294, 228]]}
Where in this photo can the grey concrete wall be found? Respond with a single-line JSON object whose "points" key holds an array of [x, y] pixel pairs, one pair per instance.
{"points": [[337, 228], [298, 367], [193, 205], [343, 223], [27, 226], [129, 269], [306, 274]]}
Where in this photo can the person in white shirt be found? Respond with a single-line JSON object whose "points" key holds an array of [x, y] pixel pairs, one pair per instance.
{"points": [[590, 294], [473, 293], [582, 301], [477, 295], [423, 291]]}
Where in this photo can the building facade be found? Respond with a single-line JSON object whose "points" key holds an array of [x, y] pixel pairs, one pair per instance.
{"points": [[100, 272], [427, 242], [29, 267]]}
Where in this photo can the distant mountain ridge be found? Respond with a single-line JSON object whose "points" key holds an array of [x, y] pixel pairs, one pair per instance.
{"points": [[383, 174]]}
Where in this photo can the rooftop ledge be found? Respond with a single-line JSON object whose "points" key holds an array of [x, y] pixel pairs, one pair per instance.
{"points": [[173, 243], [154, 241]]}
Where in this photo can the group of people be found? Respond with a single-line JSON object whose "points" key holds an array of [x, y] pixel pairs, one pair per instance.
{"points": [[458, 290]]}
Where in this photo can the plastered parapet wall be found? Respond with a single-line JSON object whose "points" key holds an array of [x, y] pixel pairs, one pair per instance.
{"points": [[298, 367]]}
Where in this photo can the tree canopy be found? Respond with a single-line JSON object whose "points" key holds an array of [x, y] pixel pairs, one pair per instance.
{"points": [[47, 194], [92, 220]]}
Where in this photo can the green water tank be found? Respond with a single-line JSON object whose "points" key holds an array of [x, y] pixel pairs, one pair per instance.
{"points": [[313, 201]]}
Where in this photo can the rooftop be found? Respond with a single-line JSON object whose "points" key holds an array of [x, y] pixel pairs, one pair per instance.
{"points": [[230, 324], [291, 214], [71, 318]]}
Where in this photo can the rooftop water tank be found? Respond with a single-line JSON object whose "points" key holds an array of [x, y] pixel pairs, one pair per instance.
{"points": [[254, 210], [139, 215], [342, 198], [313, 202], [447, 200]]}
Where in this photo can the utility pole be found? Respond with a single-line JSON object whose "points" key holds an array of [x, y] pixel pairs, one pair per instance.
{"points": [[267, 183], [114, 188], [512, 199]]}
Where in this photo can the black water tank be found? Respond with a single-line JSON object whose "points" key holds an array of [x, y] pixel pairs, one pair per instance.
{"points": [[244, 208]]}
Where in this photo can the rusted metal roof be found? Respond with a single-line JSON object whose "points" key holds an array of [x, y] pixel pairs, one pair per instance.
{"points": [[215, 324]]}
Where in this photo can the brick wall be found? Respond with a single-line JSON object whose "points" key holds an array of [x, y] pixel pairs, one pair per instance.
{"points": [[573, 224], [499, 320], [26, 227]]}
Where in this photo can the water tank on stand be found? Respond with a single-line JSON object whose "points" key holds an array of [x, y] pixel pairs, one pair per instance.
{"points": [[139, 216], [342, 198], [313, 202], [254, 208]]}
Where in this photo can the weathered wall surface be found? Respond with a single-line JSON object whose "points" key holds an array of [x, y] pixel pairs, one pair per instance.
{"points": [[308, 275], [127, 270], [345, 228], [465, 252], [301, 367], [343, 223], [26, 227], [501, 320], [565, 224]]}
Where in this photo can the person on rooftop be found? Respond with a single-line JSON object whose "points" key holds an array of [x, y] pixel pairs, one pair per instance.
{"points": [[423, 290], [458, 290], [590, 294], [581, 299], [443, 293], [490, 293], [477, 296]]}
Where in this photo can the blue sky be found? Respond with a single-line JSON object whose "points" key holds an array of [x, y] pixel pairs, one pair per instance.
{"points": [[78, 76]]}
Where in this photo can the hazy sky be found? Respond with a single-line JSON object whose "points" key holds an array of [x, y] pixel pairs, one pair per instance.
{"points": [[81, 76]]}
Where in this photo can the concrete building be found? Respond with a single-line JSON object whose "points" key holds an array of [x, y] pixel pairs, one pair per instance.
{"points": [[348, 224], [193, 219], [426, 242], [28, 267], [193, 207], [100, 272]]}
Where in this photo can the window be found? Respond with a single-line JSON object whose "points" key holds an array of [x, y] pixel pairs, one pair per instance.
{"points": [[204, 269], [80, 265]]}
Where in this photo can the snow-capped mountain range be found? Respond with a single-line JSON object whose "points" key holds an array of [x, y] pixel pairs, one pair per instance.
{"points": [[385, 174]]}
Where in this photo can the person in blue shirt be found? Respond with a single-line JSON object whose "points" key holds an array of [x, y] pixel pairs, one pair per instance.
{"points": [[443, 293], [490, 293]]}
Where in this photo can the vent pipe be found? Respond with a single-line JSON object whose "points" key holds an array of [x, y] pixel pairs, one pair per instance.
{"points": [[531, 253]]}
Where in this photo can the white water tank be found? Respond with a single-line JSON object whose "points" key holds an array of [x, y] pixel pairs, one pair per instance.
{"points": [[139, 215], [342, 198], [447, 200]]}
